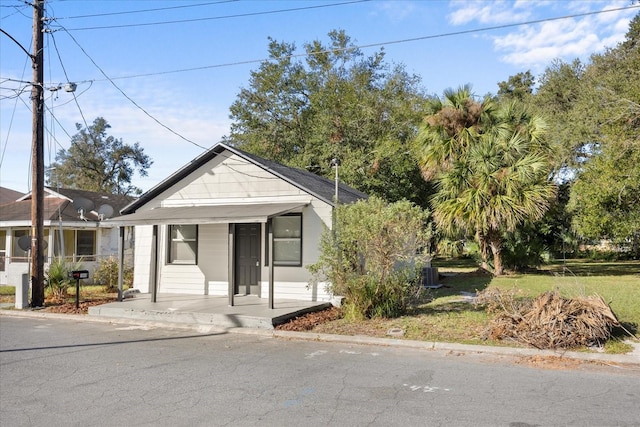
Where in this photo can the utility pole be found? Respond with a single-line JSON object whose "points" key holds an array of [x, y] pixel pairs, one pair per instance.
{"points": [[37, 159]]}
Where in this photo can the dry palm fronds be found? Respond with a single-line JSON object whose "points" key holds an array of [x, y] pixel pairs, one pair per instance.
{"points": [[549, 320]]}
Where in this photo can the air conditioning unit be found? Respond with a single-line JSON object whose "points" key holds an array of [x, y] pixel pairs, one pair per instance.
{"points": [[429, 278]]}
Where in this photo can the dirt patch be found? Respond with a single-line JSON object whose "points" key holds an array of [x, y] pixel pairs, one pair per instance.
{"points": [[309, 321], [557, 362], [70, 307]]}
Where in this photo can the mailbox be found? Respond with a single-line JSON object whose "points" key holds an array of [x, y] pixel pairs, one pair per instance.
{"points": [[80, 274], [77, 275]]}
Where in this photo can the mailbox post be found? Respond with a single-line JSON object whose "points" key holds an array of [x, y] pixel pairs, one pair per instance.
{"points": [[79, 274]]}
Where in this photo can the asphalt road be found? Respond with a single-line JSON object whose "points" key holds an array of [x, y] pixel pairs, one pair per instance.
{"points": [[68, 373]]}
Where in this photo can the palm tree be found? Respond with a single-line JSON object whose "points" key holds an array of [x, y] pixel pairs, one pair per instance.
{"points": [[491, 166]]}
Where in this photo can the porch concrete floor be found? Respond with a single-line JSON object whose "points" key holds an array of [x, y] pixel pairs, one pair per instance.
{"points": [[247, 312]]}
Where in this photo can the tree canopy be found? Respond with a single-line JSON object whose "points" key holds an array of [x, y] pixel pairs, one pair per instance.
{"points": [[335, 103], [491, 164], [605, 198], [594, 113], [99, 162]]}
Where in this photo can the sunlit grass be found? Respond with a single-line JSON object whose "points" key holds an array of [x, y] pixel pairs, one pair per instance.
{"points": [[7, 290], [452, 316]]}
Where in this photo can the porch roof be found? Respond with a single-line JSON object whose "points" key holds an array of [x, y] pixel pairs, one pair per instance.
{"points": [[206, 214]]}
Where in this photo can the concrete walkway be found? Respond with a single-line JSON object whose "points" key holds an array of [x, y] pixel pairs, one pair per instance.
{"points": [[247, 312]]}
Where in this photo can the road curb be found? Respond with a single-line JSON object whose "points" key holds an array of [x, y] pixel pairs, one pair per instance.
{"points": [[621, 359]]}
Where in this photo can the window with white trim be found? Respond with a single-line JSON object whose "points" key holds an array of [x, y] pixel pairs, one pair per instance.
{"points": [[77, 244], [287, 240], [183, 244], [17, 253]]}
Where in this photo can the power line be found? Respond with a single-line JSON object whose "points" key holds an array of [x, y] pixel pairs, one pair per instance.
{"points": [[128, 97], [380, 44], [211, 18], [147, 10], [55, 45]]}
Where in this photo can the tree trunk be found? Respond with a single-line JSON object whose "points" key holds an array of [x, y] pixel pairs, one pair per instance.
{"points": [[484, 249], [495, 241]]}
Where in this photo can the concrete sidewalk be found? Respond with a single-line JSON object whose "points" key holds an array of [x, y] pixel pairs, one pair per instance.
{"points": [[629, 359]]}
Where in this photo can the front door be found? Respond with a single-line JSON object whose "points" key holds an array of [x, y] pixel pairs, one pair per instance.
{"points": [[247, 275]]}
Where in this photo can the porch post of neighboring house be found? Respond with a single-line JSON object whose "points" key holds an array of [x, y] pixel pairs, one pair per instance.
{"points": [[231, 264], [120, 261], [271, 261], [154, 279]]}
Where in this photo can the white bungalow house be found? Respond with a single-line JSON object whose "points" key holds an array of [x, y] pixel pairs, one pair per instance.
{"points": [[74, 228], [231, 223]]}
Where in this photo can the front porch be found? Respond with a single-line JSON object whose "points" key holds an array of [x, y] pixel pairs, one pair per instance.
{"points": [[247, 312]]}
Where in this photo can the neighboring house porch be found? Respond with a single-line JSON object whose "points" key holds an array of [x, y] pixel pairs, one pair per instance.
{"points": [[78, 234]]}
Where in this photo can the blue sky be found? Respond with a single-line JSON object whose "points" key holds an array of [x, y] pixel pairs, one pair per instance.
{"points": [[184, 62]]}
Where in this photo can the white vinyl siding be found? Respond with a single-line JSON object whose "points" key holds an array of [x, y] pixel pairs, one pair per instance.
{"points": [[301, 291], [232, 178]]}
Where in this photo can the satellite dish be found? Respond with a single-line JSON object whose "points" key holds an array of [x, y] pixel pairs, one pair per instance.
{"points": [[83, 203], [105, 211], [24, 243]]}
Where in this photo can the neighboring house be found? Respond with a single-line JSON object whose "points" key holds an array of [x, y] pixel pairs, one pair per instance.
{"points": [[73, 228], [7, 195], [205, 229]]}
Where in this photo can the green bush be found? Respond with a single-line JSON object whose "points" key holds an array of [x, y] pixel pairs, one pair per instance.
{"points": [[106, 274], [374, 256], [57, 279]]}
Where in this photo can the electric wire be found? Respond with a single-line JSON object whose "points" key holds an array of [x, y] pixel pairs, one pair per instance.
{"points": [[128, 97], [158, 9], [61, 127], [364, 46], [52, 130], [55, 45], [212, 18], [371, 45], [13, 113]]}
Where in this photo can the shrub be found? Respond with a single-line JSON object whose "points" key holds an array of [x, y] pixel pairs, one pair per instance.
{"points": [[57, 279], [106, 274], [373, 256]]}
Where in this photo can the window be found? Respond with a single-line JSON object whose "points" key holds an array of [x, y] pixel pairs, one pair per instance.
{"points": [[85, 244], [17, 253], [77, 244], [287, 240], [183, 244], [69, 240]]}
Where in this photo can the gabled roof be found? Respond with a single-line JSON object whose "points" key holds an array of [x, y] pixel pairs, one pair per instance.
{"points": [[8, 195], [318, 186], [59, 204]]}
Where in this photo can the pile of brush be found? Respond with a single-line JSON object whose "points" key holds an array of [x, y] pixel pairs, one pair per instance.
{"points": [[549, 320]]}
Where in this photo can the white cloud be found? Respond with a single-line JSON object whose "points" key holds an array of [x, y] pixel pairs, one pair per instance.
{"points": [[397, 11], [489, 12], [535, 46]]}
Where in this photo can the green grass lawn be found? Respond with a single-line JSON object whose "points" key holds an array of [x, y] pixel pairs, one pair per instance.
{"points": [[7, 290], [618, 283], [450, 317]]}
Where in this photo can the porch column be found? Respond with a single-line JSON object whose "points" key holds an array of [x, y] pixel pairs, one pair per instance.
{"points": [[154, 272], [231, 264], [271, 261], [120, 261]]}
